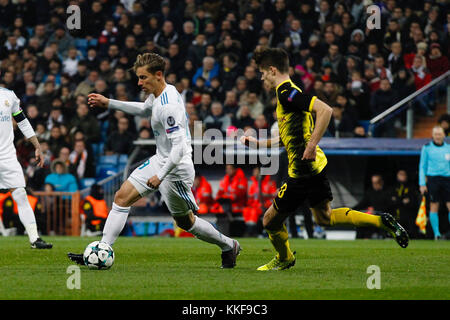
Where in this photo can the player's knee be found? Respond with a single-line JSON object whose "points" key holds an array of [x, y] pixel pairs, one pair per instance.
{"points": [[121, 198], [19, 195], [186, 221]]}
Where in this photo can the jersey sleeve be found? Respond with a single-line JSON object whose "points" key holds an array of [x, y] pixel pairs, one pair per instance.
{"points": [[172, 117], [293, 99], [15, 107]]}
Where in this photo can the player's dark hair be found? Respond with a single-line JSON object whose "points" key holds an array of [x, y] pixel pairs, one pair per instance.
{"points": [[154, 62], [272, 57]]}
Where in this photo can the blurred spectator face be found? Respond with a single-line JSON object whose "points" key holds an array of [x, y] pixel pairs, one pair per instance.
{"points": [[48, 87], [267, 26], [208, 63], [396, 48], [250, 73], [31, 89], [385, 85], [210, 50], [171, 78], [337, 113], [230, 97], [398, 13], [255, 172], [216, 109], [418, 60], [260, 122], [48, 53], [64, 153], [200, 39], [130, 42], [122, 124], [96, 7], [333, 50], [55, 132], [109, 25], [377, 182], [210, 28], [167, 27], [80, 99], [351, 63], [393, 26], [230, 170], [225, 26], [402, 176], [144, 133], [252, 98], [206, 99], [113, 51], [188, 27], [32, 111], [119, 74], [59, 168], [100, 85], [245, 111], [173, 50], [137, 29], [372, 49], [93, 76], [341, 100], [379, 62], [324, 6], [329, 88], [105, 66], [82, 110], [438, 135], [330, 38], [39, 31], [79, 146], [190, 108], [295, 24]]}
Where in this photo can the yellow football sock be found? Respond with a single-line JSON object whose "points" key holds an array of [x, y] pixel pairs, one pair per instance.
{"points": [[356, 218], [280, 242]]}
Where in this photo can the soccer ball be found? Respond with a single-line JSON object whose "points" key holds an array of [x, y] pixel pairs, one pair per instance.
{"points": [[98, 255]]}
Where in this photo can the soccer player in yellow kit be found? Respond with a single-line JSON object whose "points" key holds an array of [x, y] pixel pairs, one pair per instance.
{"points": [[307, 180]]}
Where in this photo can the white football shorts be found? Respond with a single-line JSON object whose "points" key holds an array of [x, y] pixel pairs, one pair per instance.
{"points": [[177, 195], [11, 174]]}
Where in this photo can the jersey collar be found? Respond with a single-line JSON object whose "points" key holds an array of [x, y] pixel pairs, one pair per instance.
{"points": [[288, 80]]}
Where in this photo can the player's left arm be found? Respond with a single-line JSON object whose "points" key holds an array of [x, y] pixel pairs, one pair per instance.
{"points": [[172, 123], [323, 115], [27, 130]]}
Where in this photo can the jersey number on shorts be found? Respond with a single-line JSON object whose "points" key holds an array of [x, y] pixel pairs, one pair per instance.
{"points": [[282, 190], [146, 163]]}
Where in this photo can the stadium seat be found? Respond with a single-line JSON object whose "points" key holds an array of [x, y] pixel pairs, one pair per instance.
{"points": [[81, 45], [164, 226], [87, 182], [112, 160], [123, 159], [105, 171], [365, 124]]}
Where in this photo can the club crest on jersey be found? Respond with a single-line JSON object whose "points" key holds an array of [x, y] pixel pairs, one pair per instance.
{"points": [[170, 121], [6, 103]]}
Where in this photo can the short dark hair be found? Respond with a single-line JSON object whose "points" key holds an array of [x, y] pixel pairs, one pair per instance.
{"points": [[272, 57]]}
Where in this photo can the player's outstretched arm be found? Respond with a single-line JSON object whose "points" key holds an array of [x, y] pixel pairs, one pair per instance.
{"points": [[254, 143], [133, 108]]}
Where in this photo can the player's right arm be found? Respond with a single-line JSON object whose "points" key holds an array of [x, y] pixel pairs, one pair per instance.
{"points": [[423, 170], [27, 130], [252, 142], [133, 108]]}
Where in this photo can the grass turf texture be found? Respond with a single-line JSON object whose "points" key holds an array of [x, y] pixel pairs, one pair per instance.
{"points": [[186, 268]]}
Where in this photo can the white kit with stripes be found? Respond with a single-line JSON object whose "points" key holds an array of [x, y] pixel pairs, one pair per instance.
{"points": [[168, 121]]}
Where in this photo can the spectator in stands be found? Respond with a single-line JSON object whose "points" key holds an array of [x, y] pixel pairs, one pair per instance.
{"points": [[203, 194], [60, 179], [444, 122], [95, 209], [383, 99], [376, 199], [217, 119], [405, 202], [259, 198], [86, 122], [208, 70], [82, 161], [437, 63], [434, 176], [56, 140], [232, 193], [120, 141], [243, 117]]}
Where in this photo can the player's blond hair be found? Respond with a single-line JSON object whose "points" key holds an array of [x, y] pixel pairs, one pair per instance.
{"points": [[154, 62]]}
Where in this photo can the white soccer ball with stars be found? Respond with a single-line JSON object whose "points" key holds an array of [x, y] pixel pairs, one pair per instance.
{"points": [[98, 256]]}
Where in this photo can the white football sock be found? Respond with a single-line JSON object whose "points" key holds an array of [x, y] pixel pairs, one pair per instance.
{"points": [[26, 214], [114, 223], [205, 231]]}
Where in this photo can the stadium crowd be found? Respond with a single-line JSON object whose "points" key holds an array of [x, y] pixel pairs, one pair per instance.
{"points": [[208, 47]]}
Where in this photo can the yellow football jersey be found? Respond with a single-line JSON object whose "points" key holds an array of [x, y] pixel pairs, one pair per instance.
{"points": [[296, 125]]}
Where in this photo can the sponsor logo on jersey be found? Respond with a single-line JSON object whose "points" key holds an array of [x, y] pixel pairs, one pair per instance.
{"points": [[170, 121]]}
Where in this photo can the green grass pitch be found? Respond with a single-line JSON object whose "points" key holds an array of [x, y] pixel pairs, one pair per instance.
{"points": [[186, 268]]}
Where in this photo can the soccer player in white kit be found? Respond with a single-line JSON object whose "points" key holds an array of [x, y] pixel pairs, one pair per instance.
{"points": [[170, 170], [11, 174]]}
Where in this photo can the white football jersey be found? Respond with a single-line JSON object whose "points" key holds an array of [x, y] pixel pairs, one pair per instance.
{"points": [[170, 120], [9, 106]]}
